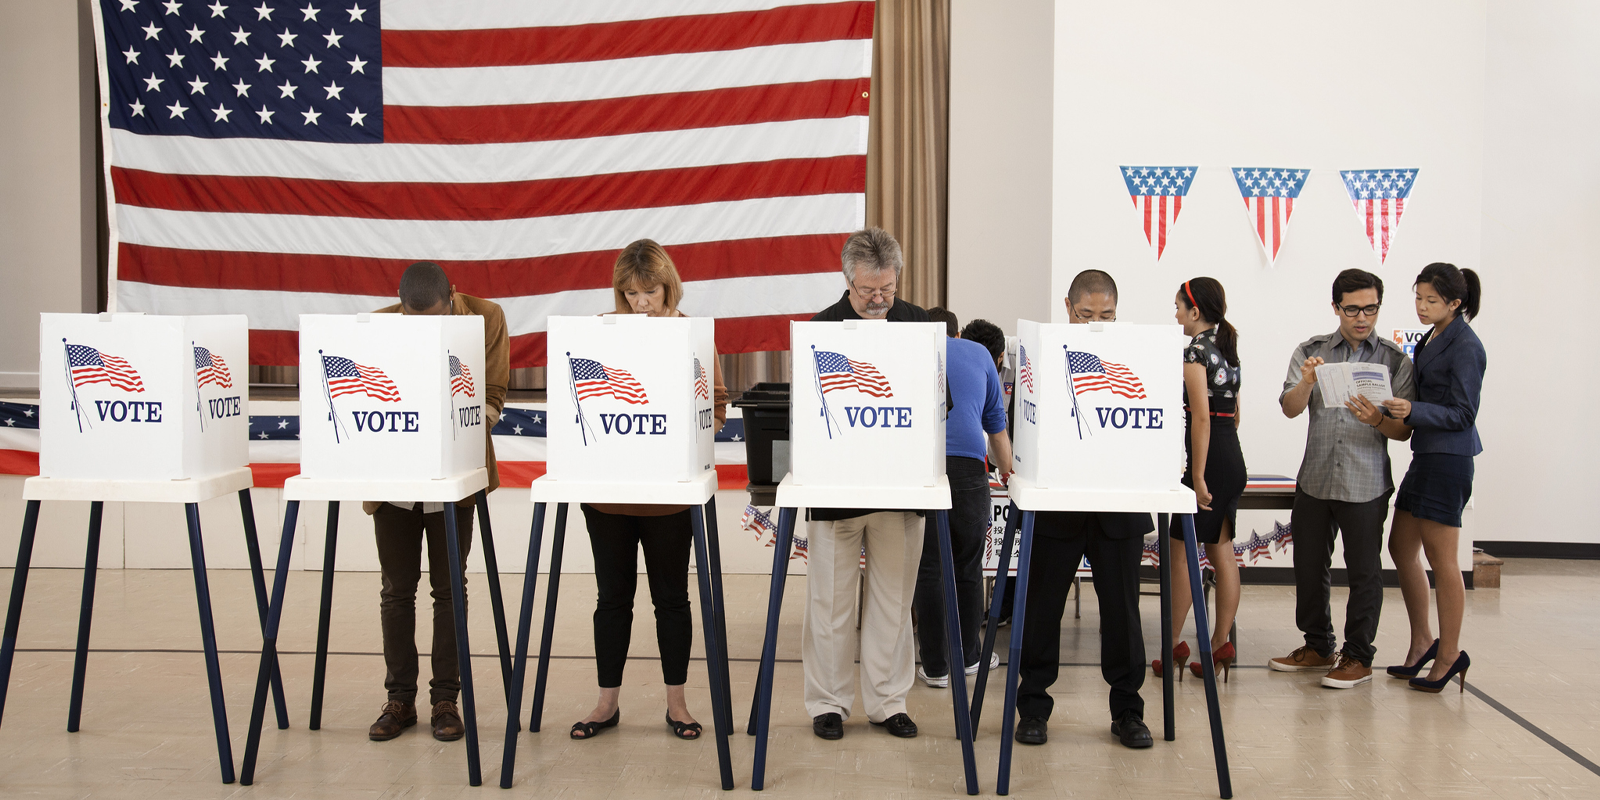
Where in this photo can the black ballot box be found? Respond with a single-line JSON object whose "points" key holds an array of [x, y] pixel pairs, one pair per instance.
{"points": [[765, 408]]}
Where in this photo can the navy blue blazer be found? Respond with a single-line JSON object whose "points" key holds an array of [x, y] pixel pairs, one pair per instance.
{"points": [[1449, 373]]}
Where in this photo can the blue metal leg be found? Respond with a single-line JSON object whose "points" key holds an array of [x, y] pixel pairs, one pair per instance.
{"points": [[992, 629], [519, 658], [208, 635], [269, 643], [80, 663], [496, 601], [253, 550], [714, 544], [769, 645], [458, 598], [557, 545], [1163, 553], [958, 661], [1203, 633], [319, 673], [715, 672], [19, 589], [1019, 608]]}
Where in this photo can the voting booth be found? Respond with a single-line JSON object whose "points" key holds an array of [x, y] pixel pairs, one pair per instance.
{"points": [[142, 408]]}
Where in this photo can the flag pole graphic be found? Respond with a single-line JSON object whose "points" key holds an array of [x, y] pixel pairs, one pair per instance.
{"points": [[583, 424], [1077, 414], [197, 401], [77, 407], [450, 379], [816, 371], [333, 414]]}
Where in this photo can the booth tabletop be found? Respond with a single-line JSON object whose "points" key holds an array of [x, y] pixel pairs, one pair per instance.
{"points": [[1028, 497], [440, 490], [930, 498], [696, 492], [187, 490]]}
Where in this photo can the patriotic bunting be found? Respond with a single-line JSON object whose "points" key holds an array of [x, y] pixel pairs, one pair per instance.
{"points": [[1158, 194], [1269, 194], [760, 523], [1379, 196], [1256, 547]]}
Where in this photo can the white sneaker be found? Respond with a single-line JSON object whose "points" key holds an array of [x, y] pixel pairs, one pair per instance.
{"points": [[994, 663], [940, 682]]}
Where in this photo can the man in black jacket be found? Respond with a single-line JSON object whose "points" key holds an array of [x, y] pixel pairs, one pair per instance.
{"points": [[1114, 544]]}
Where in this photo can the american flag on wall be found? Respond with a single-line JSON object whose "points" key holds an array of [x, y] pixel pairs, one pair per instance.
{"points": [[1158, 194], [89, 365], [1269, 194], [460, 379], [347, 377], [1379, 196], [210, 369], [274, 158], [591, 378]]}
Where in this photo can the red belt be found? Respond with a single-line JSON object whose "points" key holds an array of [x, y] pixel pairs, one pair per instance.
{"points": [[1214, 413]]}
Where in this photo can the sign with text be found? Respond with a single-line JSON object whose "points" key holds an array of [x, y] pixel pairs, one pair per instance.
{"points": [[868, 403], [631, 398], [137, 397], [1099, 406], [391, 396], [1408, 338]]}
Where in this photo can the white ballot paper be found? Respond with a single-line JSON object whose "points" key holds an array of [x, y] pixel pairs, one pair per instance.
{"points": [[1340, 382]]}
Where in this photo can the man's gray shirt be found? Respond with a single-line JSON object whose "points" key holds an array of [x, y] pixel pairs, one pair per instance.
{"points": [[1347, 459]]}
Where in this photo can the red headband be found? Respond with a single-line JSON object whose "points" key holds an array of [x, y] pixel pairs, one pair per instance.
{"points": [[1192, 303]]}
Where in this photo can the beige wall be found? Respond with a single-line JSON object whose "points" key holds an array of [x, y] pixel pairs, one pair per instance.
{"points": [[47, 208]]}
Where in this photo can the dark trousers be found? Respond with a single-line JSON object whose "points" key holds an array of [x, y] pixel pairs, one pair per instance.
{"points": [[400, 533], [1059, 544], [970, 509], [1315, 523], [616, 539]]}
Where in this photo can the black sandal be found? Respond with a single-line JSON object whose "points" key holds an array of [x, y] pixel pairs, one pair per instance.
{"points": [[688, 731], [590, 729]]}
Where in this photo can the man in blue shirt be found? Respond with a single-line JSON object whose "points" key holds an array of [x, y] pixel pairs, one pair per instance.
{"points": [[977, 412]]}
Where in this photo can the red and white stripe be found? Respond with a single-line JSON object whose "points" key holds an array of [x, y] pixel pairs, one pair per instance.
{"points": [[1382, 218], [1270, 217], [525, 144], [1160, 212]]}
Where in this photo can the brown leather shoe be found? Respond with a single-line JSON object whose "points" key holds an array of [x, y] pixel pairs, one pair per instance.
{"points": [[1302, 659], [1347, 674], [395, 717], [447, 725]]}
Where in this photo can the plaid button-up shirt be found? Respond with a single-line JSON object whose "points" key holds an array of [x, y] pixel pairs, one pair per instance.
{"points": [[1347, 459]]}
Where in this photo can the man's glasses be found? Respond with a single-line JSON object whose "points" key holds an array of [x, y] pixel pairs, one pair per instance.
{"points": [[1354, 311], [867, 293]]}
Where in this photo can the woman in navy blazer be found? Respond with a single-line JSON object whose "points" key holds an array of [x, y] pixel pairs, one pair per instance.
{"points": [[1449, 373]]}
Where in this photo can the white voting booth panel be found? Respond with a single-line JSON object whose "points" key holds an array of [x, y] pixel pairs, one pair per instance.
{"points": [[630, 399], [391, 397], [868, 404], [135, 397]]}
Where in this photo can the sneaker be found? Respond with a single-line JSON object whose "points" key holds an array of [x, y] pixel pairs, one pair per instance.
{"points": [[1348, 674], [936, 681], [994, 664], [1302, 659]]}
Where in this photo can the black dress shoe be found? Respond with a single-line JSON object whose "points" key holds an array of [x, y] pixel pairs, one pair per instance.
{"points": [[1033, 730], [899, 725], [828, 726], [1132, 731]]}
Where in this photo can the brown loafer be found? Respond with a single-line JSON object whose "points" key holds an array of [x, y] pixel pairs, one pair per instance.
{"points": [[447, 725], [395, 717]]}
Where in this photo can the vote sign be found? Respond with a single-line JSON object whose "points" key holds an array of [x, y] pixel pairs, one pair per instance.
{"points": [[868, 403], [142, 397], [630, 398], [1099, 405], [391, 396]]}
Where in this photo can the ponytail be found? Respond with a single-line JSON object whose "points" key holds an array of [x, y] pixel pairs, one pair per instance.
{"points": [[1228, 341], [1469, 304], [1206, 294], [1454, 284]]}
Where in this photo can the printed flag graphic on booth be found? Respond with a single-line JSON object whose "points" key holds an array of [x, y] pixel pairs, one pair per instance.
{"points": [[1269, 194], [89, 365], [460, 378], [210, 369], [275, 158], [1158, 194], [1379, 196]]}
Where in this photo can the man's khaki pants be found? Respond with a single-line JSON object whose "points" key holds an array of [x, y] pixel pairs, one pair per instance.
{"points": [[829, 640]]}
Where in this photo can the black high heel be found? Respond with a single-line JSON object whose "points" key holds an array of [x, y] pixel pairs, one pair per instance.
{"points": [[1434, 687], [1416, 669]]}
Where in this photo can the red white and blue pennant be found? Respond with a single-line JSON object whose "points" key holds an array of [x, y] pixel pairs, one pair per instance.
{"points": [[1269, 195], [1158, 194], [1380, 197]]}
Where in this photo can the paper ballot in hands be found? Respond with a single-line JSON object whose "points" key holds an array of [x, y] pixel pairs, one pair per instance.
{"points": [[1340, 382]]}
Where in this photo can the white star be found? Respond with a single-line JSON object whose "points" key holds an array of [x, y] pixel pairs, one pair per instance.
{"points": [[355, 13], [222, 114], [265, 115], [172, 6], [137, 108], [262, 11], [242, 88], [357, 118], [333, 38], [537, 417], [153, 83], [738, 438], [217, 8], [311, 116], [283, 423], [287, 38], [28, 413], [262, 435], [11, 422], [175, 58], [194, 34], [197, 86], [265, 64], [311, 63], [1186, 174], [219, 62], [132, 54], [517, 429], [311, 13], [127, 5], [151, 31], [333, 90], [1299, 175], [357, 66], [287, 90], [177, 110], [241, 36]]}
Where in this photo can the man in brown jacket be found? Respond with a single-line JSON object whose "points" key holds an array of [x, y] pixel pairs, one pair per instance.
{"points": [[401, 528]]}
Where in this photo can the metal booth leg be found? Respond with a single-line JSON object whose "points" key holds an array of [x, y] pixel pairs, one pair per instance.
{"points": [[319, 674], [269, 643], [458, 598], [714, 544], [1019, 608], [762, 707], [80, 663], [19, 589], [496, 600], [958, 661], [992, 627], [252, 546], [1203, 633], [715, 672], [548, 634], [519, 657], [1164, 568], [208, 635]]}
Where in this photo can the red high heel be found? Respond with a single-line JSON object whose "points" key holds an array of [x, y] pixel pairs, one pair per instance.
{"points": [[1222, 658], [1179, 653]]}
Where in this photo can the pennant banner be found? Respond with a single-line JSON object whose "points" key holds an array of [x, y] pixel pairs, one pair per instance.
{"points": [[1158, 194], [1269, 194], [1379, 196]]}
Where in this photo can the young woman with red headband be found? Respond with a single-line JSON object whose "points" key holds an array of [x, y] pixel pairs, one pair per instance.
{"points": [[1215, 464]]}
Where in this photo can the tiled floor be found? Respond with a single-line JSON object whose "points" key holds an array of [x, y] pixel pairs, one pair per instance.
{"points": [[147, 730]]}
